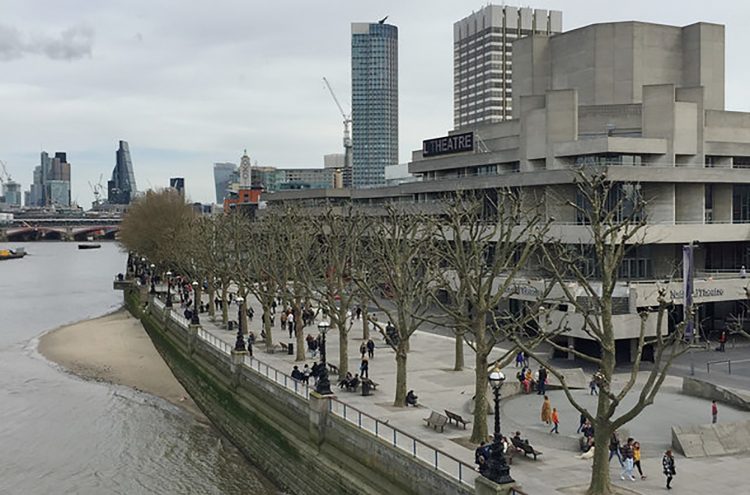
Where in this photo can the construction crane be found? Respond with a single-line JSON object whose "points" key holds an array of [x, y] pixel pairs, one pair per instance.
{"points": [[347, 128], [97, 190], [4, 175]]}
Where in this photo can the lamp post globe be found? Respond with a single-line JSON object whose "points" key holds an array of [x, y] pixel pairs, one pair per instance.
{"points": [[498, 470], [239, 344], [195, 320], [169, 290], [323, 386]]}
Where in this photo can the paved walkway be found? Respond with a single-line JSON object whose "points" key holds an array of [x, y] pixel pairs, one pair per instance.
{"points": [[438, 387]]}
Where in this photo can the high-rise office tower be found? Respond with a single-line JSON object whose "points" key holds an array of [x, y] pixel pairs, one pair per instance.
{"points": [[483, 62], [224, 174], [374, 101], [51, 186], [178, 184], [121, 188]]}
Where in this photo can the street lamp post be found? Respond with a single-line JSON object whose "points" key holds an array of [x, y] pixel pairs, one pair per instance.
{"points": [[323, 387], [239, 344], [153, 282], [195, 320], [498, 470], [169, 290]]}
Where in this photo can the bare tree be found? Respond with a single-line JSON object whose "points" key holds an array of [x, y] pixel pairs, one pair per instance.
{"points": [[485, 242], [615, 220], [399, 278]]}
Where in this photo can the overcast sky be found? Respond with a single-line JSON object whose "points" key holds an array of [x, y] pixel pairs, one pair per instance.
{"points": [[189, 83]]}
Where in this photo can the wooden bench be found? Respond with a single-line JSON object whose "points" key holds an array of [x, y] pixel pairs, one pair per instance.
{"points": [[436, 420], [334, 370], [524, 447], [457, 418]]}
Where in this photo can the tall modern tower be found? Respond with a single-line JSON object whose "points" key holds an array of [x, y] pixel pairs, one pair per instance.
{"points": [[224, 174], [121, 189], [374, 101], [483, 59]]}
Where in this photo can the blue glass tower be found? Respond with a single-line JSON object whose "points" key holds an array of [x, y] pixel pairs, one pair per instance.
{"points": [[374, 101], [121, 189]]}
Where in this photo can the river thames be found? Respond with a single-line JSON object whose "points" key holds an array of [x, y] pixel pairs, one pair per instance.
{"points": [[61, 434]]}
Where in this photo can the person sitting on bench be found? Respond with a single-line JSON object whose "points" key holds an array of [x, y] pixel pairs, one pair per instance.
{"points": [[344, 381], [411, 399]]}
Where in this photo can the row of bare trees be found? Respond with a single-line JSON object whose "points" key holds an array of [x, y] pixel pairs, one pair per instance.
{"points": [[457, 263]]}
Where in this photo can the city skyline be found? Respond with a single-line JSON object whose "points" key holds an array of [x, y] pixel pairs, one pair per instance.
{"points": [[181, 118]]}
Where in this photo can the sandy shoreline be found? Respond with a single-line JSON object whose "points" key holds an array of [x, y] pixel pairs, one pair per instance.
{"points": [[115, 348]]}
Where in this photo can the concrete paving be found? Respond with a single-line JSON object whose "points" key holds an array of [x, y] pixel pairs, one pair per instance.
{"points": [[430, 375]]}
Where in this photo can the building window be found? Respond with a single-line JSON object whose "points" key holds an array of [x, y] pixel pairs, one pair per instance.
{"points": [[741, 203]]}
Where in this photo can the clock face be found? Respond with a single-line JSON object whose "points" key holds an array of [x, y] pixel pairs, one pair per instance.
{"points": [[245, 174]]}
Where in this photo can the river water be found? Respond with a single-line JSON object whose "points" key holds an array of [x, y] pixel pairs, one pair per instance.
{"points": [[63, 435]]}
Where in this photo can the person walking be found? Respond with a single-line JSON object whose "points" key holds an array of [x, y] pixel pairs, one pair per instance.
{"points": [[364, 368], [542, 383], [722, 341], [592, 387], [555, 421], [370, 348], [637, 459], [667, 464], [714, 412], [363, 349], [283, 320], [581, 422], [627, 454], [519, 359], [614, 448], [546, 411], [290, 324]]}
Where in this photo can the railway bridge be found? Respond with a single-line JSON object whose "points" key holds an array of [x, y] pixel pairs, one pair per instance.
{"points": [[59, 229]]}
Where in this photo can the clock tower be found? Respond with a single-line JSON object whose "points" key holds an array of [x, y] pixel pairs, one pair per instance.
{"points": [[245, 172]]}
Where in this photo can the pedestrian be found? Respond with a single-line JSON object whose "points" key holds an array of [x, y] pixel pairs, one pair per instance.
{"points": [[614, 448], [546, 411], [581, 421], [743, 272], [714, 412], [364, 368], [273, 306], [722, 341], [627, 455], [637, 459], [359, 311], [592, 387], [363, 349], [370, 348], [290, 324], [306, 372], [283, 320], [519, 359], [526, 359], [667, 463], [542, 383], [555, 421]]}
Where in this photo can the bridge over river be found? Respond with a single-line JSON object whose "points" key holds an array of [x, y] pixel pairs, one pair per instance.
{"points": [[59, 229]]}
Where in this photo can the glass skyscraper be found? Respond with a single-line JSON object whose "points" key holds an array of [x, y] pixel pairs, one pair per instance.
{"points": [[224, 175], [121, 189], [374, 101]]}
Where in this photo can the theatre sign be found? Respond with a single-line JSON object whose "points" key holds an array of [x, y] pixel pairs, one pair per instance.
{"points": [[446, 145]]}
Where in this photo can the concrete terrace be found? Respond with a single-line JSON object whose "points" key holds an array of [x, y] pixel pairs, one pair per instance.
{"points": [[438, 387]]}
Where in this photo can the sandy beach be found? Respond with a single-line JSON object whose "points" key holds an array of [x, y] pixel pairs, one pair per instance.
{"points": [[115, 348]]}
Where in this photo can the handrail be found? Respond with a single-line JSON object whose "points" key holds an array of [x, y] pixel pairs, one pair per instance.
{"points": [[407, 442], [279, 377], [729, 364]]}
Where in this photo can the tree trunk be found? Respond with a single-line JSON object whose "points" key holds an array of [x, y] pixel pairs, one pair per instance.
{"points": [[211, 296], [243, 314], [400, 399], [479, 429], [599, 484], [343, 349], [459, 363], [224, 305], [365, 324], [267, 326], [298, 332], [197, 302]]}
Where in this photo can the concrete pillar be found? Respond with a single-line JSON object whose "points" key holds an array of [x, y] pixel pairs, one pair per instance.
{"points": [[192, 337], [483, 486], [319, 407], [238, 358], [571, 345]]}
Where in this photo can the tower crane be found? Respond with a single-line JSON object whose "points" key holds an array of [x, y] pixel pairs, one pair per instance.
{"points": [[347, 128], [4, 175], [97, 190]]}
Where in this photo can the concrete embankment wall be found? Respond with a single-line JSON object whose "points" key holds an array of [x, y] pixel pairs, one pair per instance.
{"points": [[294, 440], [711, 391]]}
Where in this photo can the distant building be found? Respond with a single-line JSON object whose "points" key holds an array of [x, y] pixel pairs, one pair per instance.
{"points": [[399, 174], [51, 185], [225, 174], [483, 59], [178, 183], [374, 101], [12, 193], [121, 189]]}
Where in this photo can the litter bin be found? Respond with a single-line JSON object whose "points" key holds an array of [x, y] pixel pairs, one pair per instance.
{"points": [[365, 387], [290, 349]]}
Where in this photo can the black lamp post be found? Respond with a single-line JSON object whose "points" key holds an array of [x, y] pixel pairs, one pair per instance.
{"points": [[195, 320], [323, 387], [169, 290], [239, 344], [153, 282], [497, 469]]}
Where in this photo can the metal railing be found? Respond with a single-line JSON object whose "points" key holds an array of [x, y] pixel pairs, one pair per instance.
{"points": [[159, 303], [215, 341], [405, 442], [278, 377], [180, 320], [728, 363]]}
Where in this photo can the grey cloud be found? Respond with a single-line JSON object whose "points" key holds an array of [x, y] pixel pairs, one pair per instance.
{"points": [[71, 44]]}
